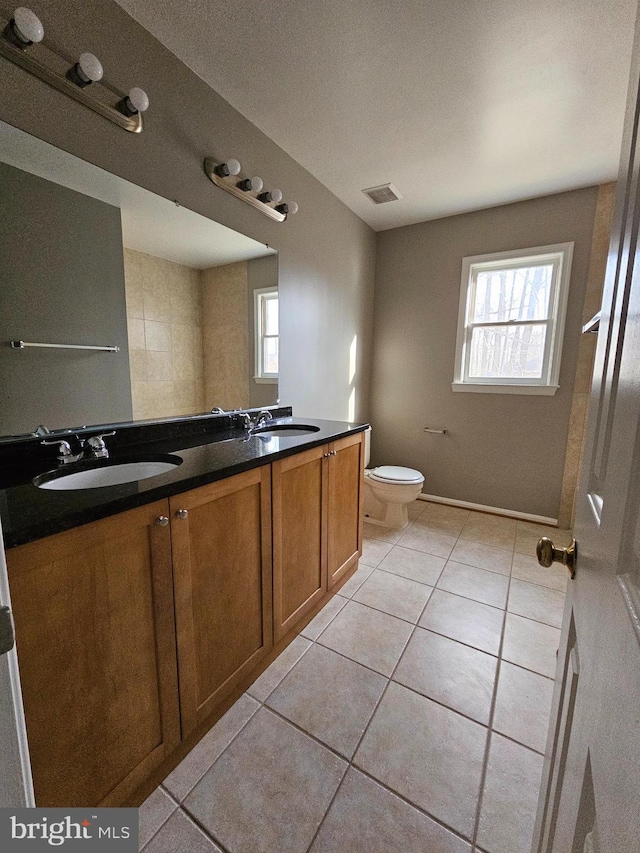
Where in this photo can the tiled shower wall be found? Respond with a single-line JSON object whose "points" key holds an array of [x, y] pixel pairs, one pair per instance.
{"points": [[586, 352], [164, 318]]}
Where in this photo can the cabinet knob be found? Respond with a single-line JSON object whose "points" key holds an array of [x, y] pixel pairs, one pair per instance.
{"points": [[182, 513], [162, 521]]}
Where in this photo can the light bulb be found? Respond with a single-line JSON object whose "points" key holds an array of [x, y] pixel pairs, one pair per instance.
{"points": [[26, 26], [87, 69], [288, 207], [251, 184], [271, 195], [137, 101], [231, 167]]}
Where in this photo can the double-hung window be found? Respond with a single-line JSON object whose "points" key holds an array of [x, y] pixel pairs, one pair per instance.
{"points": [[266, 334], [511, 320]]}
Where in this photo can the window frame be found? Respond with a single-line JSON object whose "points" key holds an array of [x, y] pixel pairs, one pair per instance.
{"points": [[561, 256], [260, 296]]}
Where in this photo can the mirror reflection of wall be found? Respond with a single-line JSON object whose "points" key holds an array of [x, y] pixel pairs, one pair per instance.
{"points": [[191, 335], [90, 259]]}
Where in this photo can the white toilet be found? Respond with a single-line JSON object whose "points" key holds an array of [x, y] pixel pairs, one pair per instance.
{"points": [[388, 490]]}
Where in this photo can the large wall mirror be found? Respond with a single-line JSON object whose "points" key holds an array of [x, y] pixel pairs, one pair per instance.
{"points": [[91, 260]]}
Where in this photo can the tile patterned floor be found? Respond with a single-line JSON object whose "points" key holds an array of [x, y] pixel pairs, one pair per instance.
{"points": [[409, 716]]}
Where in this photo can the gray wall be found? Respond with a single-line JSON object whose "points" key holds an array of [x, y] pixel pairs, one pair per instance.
{"points": [[326, 253], [261, 272], [502, 450], [62, 282]]}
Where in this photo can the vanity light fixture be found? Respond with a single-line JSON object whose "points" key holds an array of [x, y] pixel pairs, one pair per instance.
{"points": [[250, 190], [231, 167], [137, 101], [251, 185], [25, 27], [288, 207], [87, 70], [271, 195], [22, 42]]}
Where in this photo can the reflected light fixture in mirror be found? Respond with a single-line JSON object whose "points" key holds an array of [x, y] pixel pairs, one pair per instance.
{"points": [[171, 288]]}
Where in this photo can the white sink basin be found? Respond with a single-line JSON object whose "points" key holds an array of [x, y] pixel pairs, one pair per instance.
{"points": [[278, 430], [106, 475]]}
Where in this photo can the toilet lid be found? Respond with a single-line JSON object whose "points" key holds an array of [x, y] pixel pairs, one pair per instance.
{"points": [[396, 474]]}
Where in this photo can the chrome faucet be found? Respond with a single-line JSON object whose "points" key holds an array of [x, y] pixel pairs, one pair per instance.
{"points": [[97, 449], [65, 454], [218, 411], [92, 448], [263, 418], [244, 420]]}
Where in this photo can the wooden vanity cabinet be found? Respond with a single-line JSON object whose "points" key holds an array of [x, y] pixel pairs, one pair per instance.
{"points": [[93, 610], [221, 537], [317, 525], [344, 512]]}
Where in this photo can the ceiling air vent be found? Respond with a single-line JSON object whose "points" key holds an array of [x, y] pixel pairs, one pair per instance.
{"points": [[382, 194]]}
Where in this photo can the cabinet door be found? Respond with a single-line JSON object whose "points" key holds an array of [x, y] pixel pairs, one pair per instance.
{"points": [[222, 576], [93, 609], [299, 536], [344, 519]]}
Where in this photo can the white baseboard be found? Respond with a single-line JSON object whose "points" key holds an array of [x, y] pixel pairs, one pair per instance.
{"points": [[494, 510]]}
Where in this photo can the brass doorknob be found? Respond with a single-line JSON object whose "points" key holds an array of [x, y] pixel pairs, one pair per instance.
{"points": [[547, 554]]}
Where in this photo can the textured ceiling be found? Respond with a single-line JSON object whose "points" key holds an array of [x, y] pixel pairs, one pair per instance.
{"points": [[461, 105]]}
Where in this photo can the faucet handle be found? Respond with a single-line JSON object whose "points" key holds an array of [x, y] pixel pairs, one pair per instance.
{"points": [[97, 445], [65, 454]]}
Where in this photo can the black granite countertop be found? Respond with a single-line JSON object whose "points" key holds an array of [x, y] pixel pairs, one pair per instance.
{"points": [[28, 512]]}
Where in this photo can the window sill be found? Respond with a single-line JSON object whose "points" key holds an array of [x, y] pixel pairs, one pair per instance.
{"points": [[265, 380], [488, 388]]}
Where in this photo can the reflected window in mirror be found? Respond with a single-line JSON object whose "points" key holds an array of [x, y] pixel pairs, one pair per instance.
{"points": [[266, 339]]}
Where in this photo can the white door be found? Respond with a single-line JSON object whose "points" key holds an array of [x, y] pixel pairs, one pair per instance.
{"points": [[16, 787], [590, 796]]}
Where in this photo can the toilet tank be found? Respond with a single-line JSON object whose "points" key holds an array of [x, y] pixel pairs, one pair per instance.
{"points": [[367, 447]]}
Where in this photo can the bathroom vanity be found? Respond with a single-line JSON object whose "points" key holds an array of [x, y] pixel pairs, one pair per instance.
{"points": [[141, 608]]}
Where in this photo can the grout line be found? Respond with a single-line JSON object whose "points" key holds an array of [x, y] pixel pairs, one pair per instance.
{"points": [[494, 699], [366, 728]]}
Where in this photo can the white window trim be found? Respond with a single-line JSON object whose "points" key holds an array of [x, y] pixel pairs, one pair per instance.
{"points": [[259, 377], [548, 383]]}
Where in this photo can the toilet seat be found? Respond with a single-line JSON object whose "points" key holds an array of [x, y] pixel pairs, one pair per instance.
{"points": [[396, 474]]}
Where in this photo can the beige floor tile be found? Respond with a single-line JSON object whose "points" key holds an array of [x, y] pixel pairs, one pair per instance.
{"points": [[356, 580], [444, 519], [269, 789], [154, 812], [462, 619], [482, 556], [374, 551], [179, 835], [317, 625], [528, 534], [490, 530], [486, 587], [375, 531], [410, 734], [448, 672], [510, 798], [273, 675], [367, 636], [536, 602], [330, 697], [365, 818], [531, 644], [429, 541], [398, 596], [192, 768], [415, 565], [528, 569], [416, 509], [523, 706]]}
